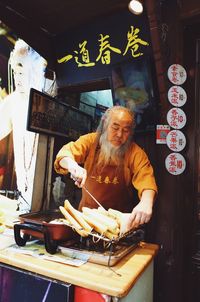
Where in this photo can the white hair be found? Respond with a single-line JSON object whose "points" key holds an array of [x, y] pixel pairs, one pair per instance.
{"points": [[110, 154], [106, 118]]}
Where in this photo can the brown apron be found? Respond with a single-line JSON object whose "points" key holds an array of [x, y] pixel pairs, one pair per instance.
{"points": [[109, 188]]}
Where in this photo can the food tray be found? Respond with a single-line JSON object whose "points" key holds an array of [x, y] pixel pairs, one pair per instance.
{"points": [[107, 257], [37, 224]]}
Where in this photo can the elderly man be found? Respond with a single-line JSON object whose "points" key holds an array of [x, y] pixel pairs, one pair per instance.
{"points": [[113, 163]]}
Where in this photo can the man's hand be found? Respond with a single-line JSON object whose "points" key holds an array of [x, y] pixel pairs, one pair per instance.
{"points": [[143, 211], [78, 174]]}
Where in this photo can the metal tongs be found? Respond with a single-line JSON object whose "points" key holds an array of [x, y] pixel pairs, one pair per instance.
{"points": [[92, 196]]}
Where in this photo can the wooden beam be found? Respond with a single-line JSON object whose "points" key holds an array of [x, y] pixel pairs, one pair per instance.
{"points": [[151, 7]]}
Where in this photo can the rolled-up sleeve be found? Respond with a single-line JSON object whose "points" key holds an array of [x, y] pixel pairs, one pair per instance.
{"points": [[77, 150]]}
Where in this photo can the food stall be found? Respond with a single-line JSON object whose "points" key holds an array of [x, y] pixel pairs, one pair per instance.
{"points": [[174, 27], [125, 272]]}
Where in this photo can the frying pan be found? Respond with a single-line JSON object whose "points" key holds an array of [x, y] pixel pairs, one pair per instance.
{"points": [[37, 225]]}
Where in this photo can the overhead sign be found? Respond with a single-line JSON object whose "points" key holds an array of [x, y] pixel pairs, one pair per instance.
{"points": [[81, 55], [89, 53]]}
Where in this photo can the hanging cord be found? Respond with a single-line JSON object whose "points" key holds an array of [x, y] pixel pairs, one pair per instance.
{"points": [[20, 195]]}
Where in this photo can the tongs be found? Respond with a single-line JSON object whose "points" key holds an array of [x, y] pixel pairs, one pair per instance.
{"points": [[92, 196]]}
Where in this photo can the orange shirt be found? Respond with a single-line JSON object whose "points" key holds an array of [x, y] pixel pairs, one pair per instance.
{"points": [[137, 168]]}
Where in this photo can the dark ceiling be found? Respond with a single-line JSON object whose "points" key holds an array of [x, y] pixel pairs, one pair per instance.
{"points": [[39, 21]]}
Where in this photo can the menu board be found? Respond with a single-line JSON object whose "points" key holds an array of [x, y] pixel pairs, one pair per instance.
{"points": [[48, 116]]}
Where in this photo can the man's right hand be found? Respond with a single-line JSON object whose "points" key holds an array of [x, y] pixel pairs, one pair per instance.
{"points": [[78, 174]]}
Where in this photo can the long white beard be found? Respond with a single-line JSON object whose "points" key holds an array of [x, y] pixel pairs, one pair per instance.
{"points": [[110, 154]]}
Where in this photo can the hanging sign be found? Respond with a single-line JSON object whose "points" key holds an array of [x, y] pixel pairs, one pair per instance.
{"points": [[177, 96], [81, 55], [176, 140], [48, 116], [177, 74], [175, 163], [176, 118]]}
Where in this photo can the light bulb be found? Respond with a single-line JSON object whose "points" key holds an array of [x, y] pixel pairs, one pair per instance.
{"points": [[136, 7]]}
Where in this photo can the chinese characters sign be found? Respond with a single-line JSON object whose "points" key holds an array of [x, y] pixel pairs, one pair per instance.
{"points": [[106, 180], [176, 140], [177, 74], [176, 118], [133, 43], [177, 96], [175, 163]]}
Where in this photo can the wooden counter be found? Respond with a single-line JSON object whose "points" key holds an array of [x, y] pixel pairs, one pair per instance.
{"points": [[116, 282]]}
